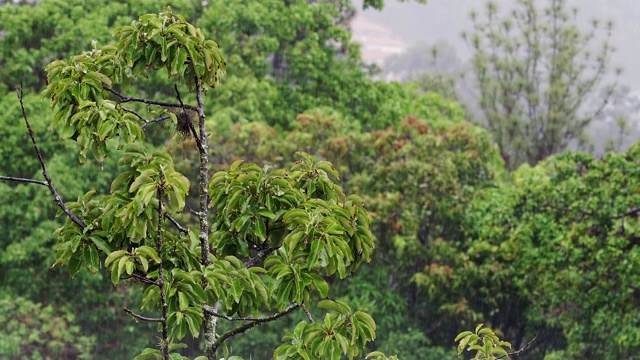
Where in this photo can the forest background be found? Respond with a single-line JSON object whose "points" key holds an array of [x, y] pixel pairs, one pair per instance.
{"points": [[545, 246]]}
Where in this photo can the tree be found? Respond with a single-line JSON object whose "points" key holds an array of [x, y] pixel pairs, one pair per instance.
{"points": [[35, 33], [274, 236], [563, 238], [51, 336], [539, 77]]}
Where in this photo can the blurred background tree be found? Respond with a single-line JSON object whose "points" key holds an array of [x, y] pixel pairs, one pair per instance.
{"points": [[539, 76]]}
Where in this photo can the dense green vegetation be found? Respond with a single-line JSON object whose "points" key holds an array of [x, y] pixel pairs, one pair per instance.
{"points": [[548, 251]]}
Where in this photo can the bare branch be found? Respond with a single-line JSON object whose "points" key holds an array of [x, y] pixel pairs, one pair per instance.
{"points": [[56, 197], [516, 353], [210, 310], [629, 213], [143, 119], [241, 329], [32, 181], [175, 223], [142, 318], [304, 307], [191, 210], [140, 278], [124, 99], [259, 256]]}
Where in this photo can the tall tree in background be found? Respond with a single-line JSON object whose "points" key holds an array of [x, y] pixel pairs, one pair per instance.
{"points": [[539, 77]]}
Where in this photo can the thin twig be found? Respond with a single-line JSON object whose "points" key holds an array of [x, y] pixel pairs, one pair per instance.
{"points": [[145, 120], [629, 213], [241, 329], [178, 95], [175, 223], [137, 114], [259, 256], [516, 353], [56, 197], [211, 311], [142, 318], [140, 278], [191, 210], [306, 312], [32, 181], [124, 99]]}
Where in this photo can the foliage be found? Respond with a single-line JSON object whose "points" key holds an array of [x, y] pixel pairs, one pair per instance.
{"points": [[290, 57], [484, 342], [32, 331], [276, 235], [418, 187], [453, 158], [26, 243], [53, 29], [539, 77], [564, 234], [549, 250]]}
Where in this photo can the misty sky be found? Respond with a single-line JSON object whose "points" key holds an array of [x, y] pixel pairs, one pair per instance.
{"points": [[446, 19]]}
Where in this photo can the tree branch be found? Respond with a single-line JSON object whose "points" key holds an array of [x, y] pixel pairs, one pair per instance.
{"points": [[629, 213], [143, 119], [142, 318], [32, 181], [175, 223], [210, 310], [306, 312], [259, 256], [56, 197], [191, 210], [140, 278], [241, 329], [516, 353], [124, 99]]}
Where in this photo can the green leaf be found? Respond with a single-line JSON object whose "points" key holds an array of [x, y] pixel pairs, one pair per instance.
{"points": [[149, 252], [91, 258], [122, 263], [193, 323], [105, 129], [320, 284], [328, 168], [375, 354], [183, 301], [366, 319], [316, 247], [293, 238], [337, 306], [261, 230], [114, 256], [100, 244], [266, 213], [75, 264], [462, 334], [149, 354]]}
